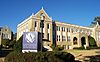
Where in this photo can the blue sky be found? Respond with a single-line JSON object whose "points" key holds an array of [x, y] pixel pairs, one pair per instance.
{"points": [[80, 12]]}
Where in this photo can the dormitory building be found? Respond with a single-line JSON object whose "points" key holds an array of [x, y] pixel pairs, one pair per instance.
{"points": [[62, 34]]}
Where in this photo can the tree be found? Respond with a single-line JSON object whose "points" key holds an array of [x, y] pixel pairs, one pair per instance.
{"points": [[92, 42], [96, 19], [18, 44], [11, 44], [14, 36], [5, 42]]}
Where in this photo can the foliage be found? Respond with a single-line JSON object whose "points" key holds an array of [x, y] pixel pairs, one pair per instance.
{"points": [[92, 42], [40, 57], [5, 42], [96, 19], [57, 48], [95, 47], [11, 44], [14, 36], [18, 45]]}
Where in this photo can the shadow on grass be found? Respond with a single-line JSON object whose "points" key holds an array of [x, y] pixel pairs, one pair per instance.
{"points": [[94, 58], [4, 53], [77, 61], [98, 52]]}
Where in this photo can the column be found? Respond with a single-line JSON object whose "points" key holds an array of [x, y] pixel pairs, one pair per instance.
{"points": [[45, 29]]}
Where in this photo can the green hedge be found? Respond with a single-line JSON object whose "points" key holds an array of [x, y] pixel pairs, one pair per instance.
{"points": [[39, 57]]}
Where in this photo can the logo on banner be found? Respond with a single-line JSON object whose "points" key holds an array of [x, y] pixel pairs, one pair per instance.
{"points": [[30, 38]]}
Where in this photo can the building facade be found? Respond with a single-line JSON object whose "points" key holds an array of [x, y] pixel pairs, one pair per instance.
{"points": [[59, 33], [5, 33]]}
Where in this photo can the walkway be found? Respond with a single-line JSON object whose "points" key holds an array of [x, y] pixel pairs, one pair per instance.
{"points": [[86, 55]]}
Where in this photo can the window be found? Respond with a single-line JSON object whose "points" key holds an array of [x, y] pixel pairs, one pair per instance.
{"points": [[68, 29], [68, 38], [35, 23], [64, 46], [42, 35], [41, 24], [62, 28], [48, 26], [72, 30], [48, 36], [5, 29], [42, 16], [99, 36], [5, 36], [76, 30], [59, 37], [63, 38], [59, 28], [74, 40]]}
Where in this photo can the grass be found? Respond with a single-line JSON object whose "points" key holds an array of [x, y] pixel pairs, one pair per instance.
{"points": [[84, 55], [79, 52], [76, 51]]}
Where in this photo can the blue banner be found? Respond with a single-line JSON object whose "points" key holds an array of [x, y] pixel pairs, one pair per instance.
{"points": [[30, 41]]}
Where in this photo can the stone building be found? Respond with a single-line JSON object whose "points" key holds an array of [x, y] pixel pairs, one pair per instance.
{"points": [[5, 33], [59, 33], [0, 35]]}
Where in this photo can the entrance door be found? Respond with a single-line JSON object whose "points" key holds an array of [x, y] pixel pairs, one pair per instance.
{"points": [[83, 41]]}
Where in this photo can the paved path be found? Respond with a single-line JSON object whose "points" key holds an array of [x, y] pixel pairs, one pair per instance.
{"points": [[2, 59], [86, 55]]}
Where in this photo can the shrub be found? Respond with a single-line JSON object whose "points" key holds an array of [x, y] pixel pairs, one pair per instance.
{"points": [[92, 42], [18, 45], [40, 57], [57, 48], [5, 42], [11, 44]]}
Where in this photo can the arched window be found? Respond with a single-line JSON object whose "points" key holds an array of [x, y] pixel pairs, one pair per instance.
{"points": [[42, 16], [74, 40]]}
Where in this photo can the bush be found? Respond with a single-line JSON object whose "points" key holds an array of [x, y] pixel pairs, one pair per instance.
{"points": [[92, 42], [57, 48], [40, 57], [18, 45], [11, 44], [5, 42], [94, 47]]}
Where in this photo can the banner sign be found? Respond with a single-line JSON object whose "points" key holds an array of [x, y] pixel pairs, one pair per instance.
{"points": [[30, 41]]}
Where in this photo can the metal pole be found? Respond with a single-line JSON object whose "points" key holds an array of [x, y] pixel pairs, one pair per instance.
{"points": [[42, 34]]}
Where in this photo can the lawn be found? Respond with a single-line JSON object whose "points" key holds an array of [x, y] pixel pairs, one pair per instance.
{"points": [[83, 54]]}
